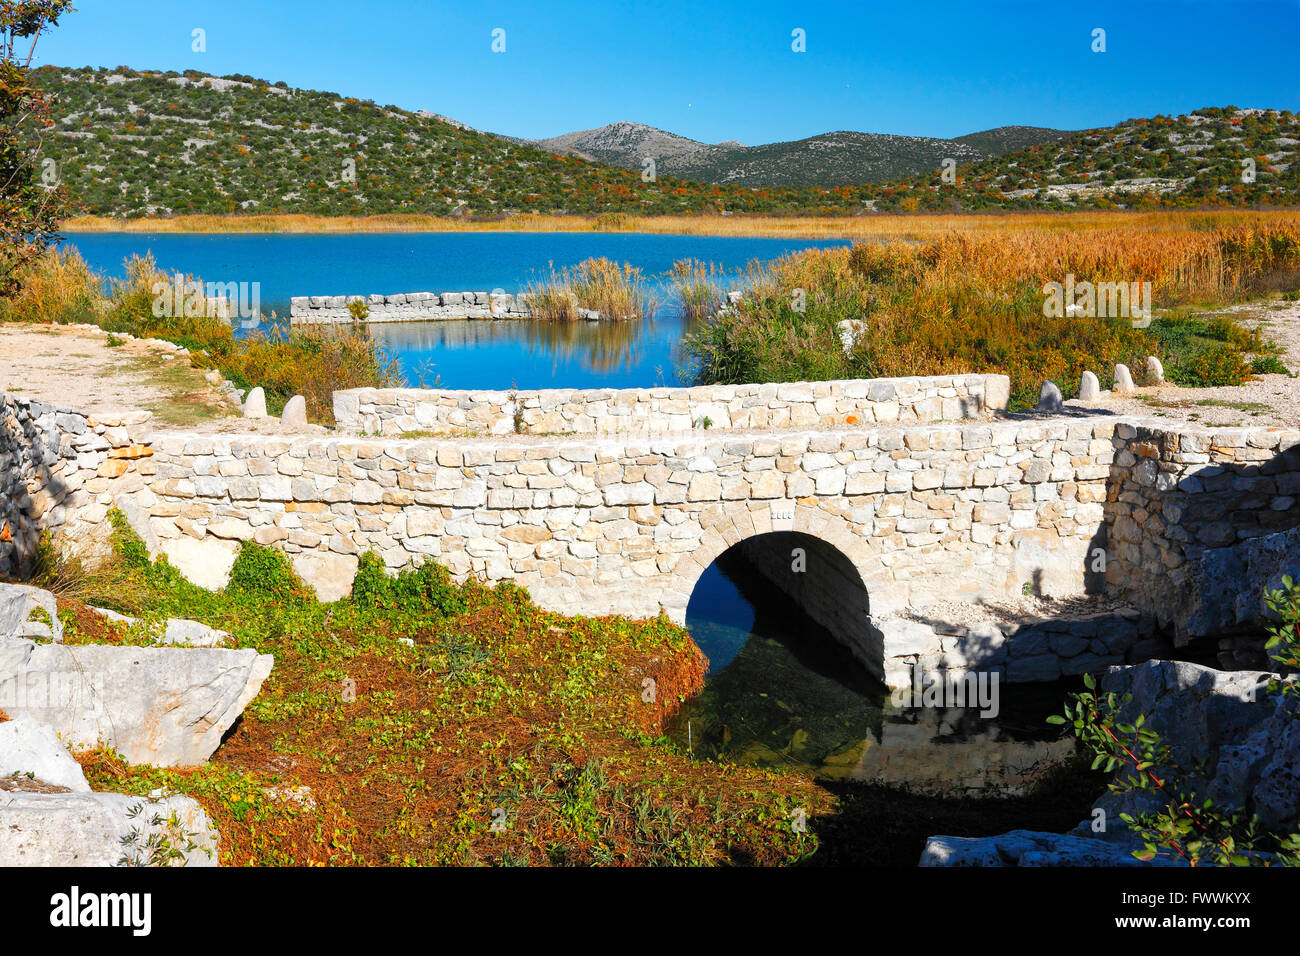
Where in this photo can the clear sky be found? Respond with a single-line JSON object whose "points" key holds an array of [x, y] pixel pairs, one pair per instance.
{"points": [[725, 70]]}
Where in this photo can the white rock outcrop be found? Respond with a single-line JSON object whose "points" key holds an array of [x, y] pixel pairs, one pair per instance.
{"points": [[33, 751], [89, 829], [165, 706], [176, 630], [29, 612]]}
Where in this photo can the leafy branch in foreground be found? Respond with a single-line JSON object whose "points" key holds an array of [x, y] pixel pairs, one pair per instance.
{"points": [[1189, 825]]}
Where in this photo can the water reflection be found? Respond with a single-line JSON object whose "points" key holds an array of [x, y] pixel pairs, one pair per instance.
{"points": [[782, 693], [496, 354]]}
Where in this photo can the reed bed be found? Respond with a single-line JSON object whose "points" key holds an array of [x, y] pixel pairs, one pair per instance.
{"points": [[863, 226], [972, 302], [700, 287], [616, 290]]}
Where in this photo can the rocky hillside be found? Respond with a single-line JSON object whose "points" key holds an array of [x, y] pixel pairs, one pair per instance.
{"points": [[138, 143], [130, 143], [841, 158], [1213, 156]]}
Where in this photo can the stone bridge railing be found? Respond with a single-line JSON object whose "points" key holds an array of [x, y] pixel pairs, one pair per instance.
{"points": [[398, 411]]}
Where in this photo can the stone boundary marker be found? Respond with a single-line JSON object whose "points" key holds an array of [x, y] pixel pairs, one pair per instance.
{"points": [[398, 411], [414, 307]]}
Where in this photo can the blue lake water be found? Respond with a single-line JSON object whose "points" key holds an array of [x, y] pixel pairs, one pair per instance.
{"points": [[460, 354]]}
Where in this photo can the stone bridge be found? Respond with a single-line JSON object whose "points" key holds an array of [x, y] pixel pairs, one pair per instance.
{"points": [[866, 501]]}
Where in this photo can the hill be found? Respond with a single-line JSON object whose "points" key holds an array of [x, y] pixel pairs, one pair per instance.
{"points": [[841, 158], [130, 143], [1211, 157], [140, 143]]}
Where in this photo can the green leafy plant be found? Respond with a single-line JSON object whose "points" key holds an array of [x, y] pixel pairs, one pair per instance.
{"points": [[1189, 825]]}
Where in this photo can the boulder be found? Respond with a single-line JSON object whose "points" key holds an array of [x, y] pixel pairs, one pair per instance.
{"points": [[176, 630], [1123, 380], [165, 706], [1033, 848], [295, 412], [27, 747], [1089, 387], [255, 404], [26, 611], [88, 829], [1155, 371], [1049, 397]]}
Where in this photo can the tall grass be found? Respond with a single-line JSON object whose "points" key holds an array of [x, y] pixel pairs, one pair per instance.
{"points": [[970, 302], [311, 361], [699, 286], [59, 287], [616, 290], [876, 225]]}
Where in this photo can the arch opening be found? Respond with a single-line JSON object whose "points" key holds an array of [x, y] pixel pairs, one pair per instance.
{"points": [[811, 574]]}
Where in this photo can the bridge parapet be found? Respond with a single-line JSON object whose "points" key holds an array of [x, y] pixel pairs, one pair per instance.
{"points": [[656, 411]]}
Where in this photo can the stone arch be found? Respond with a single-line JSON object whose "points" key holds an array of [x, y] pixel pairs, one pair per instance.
{"points": [[848, 620]]}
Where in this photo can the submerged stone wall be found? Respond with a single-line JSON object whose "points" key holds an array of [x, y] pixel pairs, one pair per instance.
{"points": [[395, 411], [410, 307]]}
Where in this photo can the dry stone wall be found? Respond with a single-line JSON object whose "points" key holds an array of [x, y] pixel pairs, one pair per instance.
{"points": [[1201, 520], [57, 469], [627, 525], [397, 411]]}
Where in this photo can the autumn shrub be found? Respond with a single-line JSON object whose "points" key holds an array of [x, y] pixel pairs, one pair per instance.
{"points": [[974, 302]]}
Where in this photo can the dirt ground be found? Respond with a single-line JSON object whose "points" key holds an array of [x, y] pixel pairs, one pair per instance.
{"points": [[79, 368], [1268, 400]]}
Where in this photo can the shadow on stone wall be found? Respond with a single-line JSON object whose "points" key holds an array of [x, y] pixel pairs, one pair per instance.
{"points": [[29, 450], [1196, 538]]}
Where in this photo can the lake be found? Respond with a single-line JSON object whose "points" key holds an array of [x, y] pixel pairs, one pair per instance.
{"points": [[477, 354]]}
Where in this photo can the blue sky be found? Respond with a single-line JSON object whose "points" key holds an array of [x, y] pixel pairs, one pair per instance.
{"points": [[725, 70]]}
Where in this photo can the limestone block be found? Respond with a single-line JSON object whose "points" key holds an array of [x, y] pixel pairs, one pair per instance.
{"points": [[164, 706]]}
